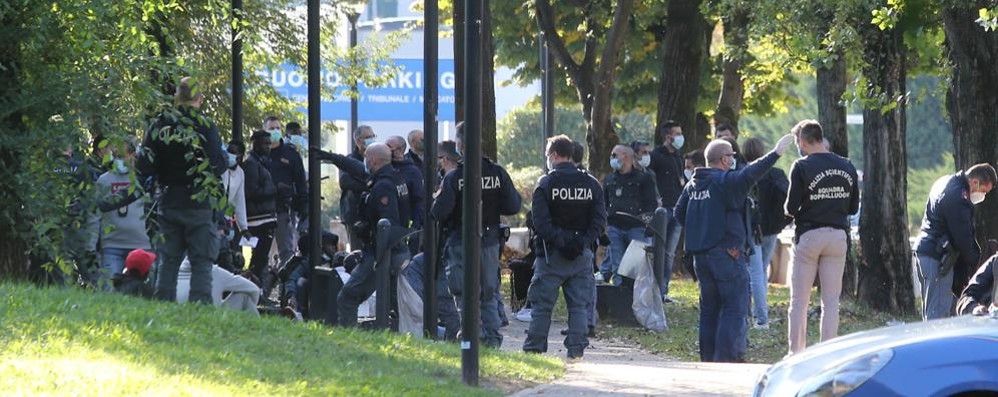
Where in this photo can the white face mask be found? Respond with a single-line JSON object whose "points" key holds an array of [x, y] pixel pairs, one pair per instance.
{"points": [[645, 160], [977, 197], [734, 163], [678, 142], [548, 163]]}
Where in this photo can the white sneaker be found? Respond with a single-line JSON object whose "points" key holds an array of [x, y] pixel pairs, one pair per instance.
{"points": [[668, 299], [761, 326], [524, 315]]}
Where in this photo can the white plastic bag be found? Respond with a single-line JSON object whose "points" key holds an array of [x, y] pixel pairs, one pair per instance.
{"points": [[410, 309], [647, 304]]}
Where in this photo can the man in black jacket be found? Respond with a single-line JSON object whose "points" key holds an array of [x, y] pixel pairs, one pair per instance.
{"points": [[288, 172], [667, 163], [176, 145], [261, 207], [948, 237], [824, 191], [353, 185], [413, 176], [979, 297]]}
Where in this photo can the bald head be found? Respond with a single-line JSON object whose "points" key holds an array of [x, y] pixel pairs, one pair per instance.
{"points": [[719, 154], [416, 141], [377, 156], [397, 146], [625, 155]]}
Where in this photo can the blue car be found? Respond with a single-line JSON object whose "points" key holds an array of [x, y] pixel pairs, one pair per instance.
{"points": [[954, 356]]}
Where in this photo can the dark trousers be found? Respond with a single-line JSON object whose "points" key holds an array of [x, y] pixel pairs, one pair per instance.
{"points": [[363, 282], [575, 278], [187, 233], [724, 305], [260, 261]]}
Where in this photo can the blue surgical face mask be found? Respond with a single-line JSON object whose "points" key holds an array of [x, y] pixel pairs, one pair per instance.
{"points": [[275, 135], [678, 142], [368, 142], [120, 166], [734, 163], [231, 160], [615, 163], [645, 161], [299, 141], [688, 174]]}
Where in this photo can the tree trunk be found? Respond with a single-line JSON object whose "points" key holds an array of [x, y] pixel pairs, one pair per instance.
{"points": [[729, 104], [14, 260], [971, 101], [593, 82], [489, 145], [458, 61], [885, 282], [685, 46], [831, 110]]}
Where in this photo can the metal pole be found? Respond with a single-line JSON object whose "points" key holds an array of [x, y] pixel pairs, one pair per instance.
{"points": [[548, 87], [314, 136], [659, 222], [237, 71], [353, 87], [543, 63], [472, 205], [382, 268], [430, 92]]}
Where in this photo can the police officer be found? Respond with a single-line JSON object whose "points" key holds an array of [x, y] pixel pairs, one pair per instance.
{"points": [[353, 185], [387, 198], [629, 195], [175, 145], [413, 177], [823, 193], [568, 215], [499, 197], [712, 208], [948, 233]]}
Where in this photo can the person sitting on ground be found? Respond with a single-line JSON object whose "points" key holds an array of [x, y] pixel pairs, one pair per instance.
{"points": [[296, 273], [978, 298], [448, 317], [242, 293], [132, 281]]}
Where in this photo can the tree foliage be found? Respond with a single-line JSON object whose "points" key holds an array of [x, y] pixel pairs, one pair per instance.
{"points": [[73, 70]]}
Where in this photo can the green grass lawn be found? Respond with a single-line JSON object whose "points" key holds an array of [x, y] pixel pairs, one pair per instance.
{"points": [[69, 341], [765, 346]]}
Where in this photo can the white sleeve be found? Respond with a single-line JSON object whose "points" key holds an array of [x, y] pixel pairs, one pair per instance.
{"points": [[240, 200]]}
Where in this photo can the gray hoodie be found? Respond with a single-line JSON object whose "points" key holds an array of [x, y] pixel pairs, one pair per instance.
{"points": [[126, 226]]}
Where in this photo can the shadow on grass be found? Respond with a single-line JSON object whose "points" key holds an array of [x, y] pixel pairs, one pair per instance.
{"points": [[268, 355]]}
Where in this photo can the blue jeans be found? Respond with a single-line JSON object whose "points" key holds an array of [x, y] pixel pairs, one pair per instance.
{"points": [[619, 240], [724, 302], [757, 272], [768, 248], [672, 232], [112, 261]]}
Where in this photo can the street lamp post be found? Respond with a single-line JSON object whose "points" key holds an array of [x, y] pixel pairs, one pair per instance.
{"points": [[353, 13]]}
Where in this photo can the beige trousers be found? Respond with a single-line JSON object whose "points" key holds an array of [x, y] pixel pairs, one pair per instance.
{"points": [[818, 252]]}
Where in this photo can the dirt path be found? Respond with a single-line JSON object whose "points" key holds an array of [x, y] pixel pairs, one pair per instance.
{"points": [[616, 368]]}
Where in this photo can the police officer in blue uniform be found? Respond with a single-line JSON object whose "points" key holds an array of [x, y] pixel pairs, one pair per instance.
{"points": [[499, 197], [712, 208], [568, 215], [387, 198], [948, 233]]}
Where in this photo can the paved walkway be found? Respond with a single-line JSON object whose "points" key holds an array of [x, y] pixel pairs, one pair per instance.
{"points": [[615, 368]]}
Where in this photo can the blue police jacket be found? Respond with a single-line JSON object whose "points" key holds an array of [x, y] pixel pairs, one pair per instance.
{"points": [[949, 216], [568, 204], [499, 197], [712, 207]]}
